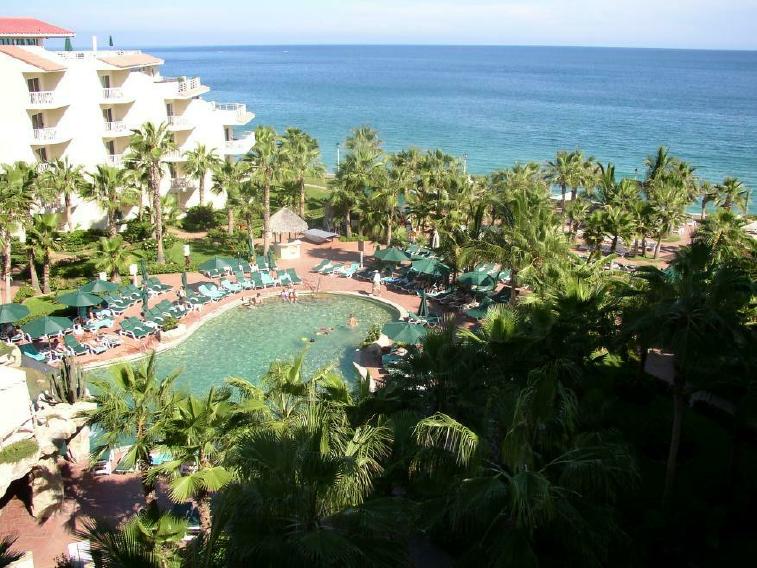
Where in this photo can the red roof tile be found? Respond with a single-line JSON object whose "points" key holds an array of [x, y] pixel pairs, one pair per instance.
{"points": [[31, 27], [34, 59]]}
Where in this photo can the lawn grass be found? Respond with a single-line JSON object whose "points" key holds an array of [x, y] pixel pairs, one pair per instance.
{"points": [[201, 250], [46, 305]]}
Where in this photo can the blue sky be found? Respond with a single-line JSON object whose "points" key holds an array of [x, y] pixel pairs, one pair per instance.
{"points": [[714, 24]]}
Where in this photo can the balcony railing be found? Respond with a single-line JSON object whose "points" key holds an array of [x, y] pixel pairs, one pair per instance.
{"points": [[114, 159], [179, 122], [182, 87], [116, 127], [43, 135], [95, 54], [114, 94], [42, 97], [44, 166], [233, 113], [186, 87], [173, 156], [180, 184], [241, 144]]}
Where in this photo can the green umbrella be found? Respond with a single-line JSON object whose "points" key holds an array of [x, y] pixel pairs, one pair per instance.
{"points": [[480, 312], [10, 313], [110, 40], [215, 263], [392, 254], [404, 332], [184, 282], [46, 325], [98, 286], [79, 299], [423, 308], [145, 298], [476, 278], [430, 267]]}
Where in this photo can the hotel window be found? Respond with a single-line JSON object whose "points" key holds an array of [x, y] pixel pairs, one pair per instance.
{"points": [[108, 114], [42, 154], [172, 170], [38, 121], [169, 109], [33, 85], [111, 146], [105, 80]]}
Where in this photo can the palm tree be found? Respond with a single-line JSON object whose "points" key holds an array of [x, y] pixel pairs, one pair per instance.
{"points": [[110, 188], [31, 255], [300, 157], [67, 180], [565, 171], [113, 256], [732, 191], [265, 160], [134, 404], [228, 178], [199, 162], [723, 233], [249, 209], [709, 194], [359, 174], [683, 309], [43, 233], [7, 557], [18, 183], [195, 432], [668, 201], [148, 147], [618, 224]]}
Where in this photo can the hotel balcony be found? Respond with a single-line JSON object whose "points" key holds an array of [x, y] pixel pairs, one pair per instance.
{"points": [[115, 96], [183, 88], [114, 160], [45, 136], [45, 100], [178, 123], [233, 114], [115, 129], [174, 156], [181, 184], [240, 145]]}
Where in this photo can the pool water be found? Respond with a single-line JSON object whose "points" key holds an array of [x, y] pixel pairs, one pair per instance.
{"points": [[243, 342]]}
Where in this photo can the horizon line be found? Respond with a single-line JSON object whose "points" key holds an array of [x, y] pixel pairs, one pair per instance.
{"points": [[461, 45]]}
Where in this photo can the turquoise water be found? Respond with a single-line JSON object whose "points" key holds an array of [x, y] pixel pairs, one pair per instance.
{"points": [[501, 104], [244, 342]]}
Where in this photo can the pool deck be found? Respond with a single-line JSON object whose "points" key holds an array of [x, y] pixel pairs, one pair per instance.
{"points": [[118, 496]]}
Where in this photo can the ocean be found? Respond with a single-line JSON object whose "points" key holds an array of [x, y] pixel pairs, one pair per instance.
{"points": [[500, 105]]}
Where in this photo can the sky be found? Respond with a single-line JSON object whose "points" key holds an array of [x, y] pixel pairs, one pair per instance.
{"points": [[706, 24]]}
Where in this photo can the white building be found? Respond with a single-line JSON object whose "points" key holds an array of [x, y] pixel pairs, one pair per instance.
{"points": [[83, 105]]}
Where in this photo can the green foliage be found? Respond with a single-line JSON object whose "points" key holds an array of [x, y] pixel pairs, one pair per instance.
{"points": [[169, 323], [78, 240], [372, 336], [353, 238], [24, 292], [69, 385], [17, 451], [200, 218], [137, 230], [169, 267]]}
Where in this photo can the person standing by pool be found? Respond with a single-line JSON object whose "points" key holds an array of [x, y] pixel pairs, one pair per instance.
{"points": [[376, 283], [293, 296], [284, 295]]}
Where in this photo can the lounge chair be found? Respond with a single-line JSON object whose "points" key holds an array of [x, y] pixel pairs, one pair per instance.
{"points": [[330, 268], [257, 279], [132, 327], [321, 265], [213, 293], [423, 320], [268, 280], [73, 346], [243, 281], [32, 352], [293, 276], [95, 324], [284, 278], [348, 271], [272, 263], [226, 284], [214, 273], [196, 300], [154, 284], [262, 263]]}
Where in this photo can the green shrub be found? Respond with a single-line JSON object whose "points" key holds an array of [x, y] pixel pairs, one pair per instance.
{"points": [[77, 240], [169, 267], [199, 218], [18, 451], [169, 323], [68, 385], [137, 230], [23, 293], [354, 238], [373, 334]]}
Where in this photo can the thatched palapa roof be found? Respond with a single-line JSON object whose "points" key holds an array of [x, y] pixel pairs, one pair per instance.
{"points": [[287, 221]]}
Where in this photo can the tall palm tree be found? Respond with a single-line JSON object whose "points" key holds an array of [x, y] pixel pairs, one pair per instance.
{"points": [[111, 189], [43, 233], [708, 193], [195, 432], [134, 405], [618, 224], [67, 180], [18, 188], [732, 192], [199, 162], [31, 256], [228, 178], [359, 174], [300, 158], [723, 233], [682, 309], [565, 171], [265, 160], [149, 145]]}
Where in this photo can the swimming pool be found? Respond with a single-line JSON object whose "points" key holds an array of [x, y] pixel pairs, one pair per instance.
{"points": [[243, 342]]}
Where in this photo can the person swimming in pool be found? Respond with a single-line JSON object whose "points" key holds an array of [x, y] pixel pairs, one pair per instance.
{"points": [[352, 321]]}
